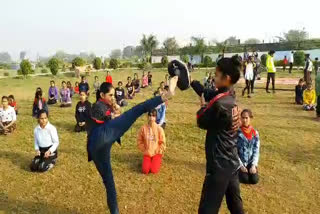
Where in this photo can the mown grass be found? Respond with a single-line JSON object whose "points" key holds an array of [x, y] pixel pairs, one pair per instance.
{"points": [[289, 163]]}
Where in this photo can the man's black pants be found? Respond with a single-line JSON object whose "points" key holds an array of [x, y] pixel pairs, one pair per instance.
{"points": [[216, 185], [290, 69], [271, 76]]}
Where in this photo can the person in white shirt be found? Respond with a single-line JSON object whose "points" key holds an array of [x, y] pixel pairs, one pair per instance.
{"points": [[46, 142], [249, 76], [8, 117], [291, 60]]}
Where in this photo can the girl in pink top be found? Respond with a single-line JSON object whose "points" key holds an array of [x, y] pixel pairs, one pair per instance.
{"points": [[145, 81]]}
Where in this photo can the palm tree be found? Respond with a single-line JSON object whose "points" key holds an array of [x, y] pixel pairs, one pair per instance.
{"points": [[170, 45], [149, 44], [199, 46]]}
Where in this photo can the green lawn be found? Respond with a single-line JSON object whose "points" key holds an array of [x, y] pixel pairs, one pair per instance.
{"points": [[289, 161]]}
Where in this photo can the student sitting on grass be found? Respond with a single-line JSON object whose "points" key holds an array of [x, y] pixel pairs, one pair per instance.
{"points": [[76, 88], [53, 93], [309, 98], [46, 142], [130, 89], [161, 89], [299, 91], [83, 112], [7, 117], [161, 110], [136, 83], [65, 96], [69, 86], [145, 82], [248, 149], [152, 143], [96, 84], [120, 95], [149, 78], [13, 103], [39, 103]]}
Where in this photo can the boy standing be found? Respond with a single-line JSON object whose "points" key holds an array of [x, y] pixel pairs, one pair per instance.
{"points": [[271, 71]]}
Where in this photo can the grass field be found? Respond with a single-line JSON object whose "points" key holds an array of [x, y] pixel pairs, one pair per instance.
{"points": [[289, 160]]}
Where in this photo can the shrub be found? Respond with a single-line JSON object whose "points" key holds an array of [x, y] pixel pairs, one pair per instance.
{"points": [[142, 65], [185, 58], [39, 65], [126, 65], [299, 57], [164, 61], [97, 63], [278, 63], [78, 61], [5, 66], [6, 74], [264, 59], [53, 65], [44, 71], [25, 67], [207, 61], [158, 65], [114, 63]]}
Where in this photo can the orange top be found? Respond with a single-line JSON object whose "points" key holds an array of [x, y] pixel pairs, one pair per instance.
{"points": [[151, 140]]}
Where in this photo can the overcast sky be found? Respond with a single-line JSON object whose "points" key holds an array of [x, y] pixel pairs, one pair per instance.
{"points": [[43, 26]]}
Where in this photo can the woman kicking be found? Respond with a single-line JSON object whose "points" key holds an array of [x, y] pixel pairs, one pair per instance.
{"points": [[105, 129]]}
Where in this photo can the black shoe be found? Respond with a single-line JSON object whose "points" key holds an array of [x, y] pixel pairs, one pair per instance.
{"points": [[249, 96], [268, 91]]}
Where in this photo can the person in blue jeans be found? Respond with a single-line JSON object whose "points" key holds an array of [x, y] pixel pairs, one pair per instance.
{"points": [[104, 129], [248, 149]]}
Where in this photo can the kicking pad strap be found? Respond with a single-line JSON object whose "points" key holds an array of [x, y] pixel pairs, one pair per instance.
{"points": [[215, 99]]}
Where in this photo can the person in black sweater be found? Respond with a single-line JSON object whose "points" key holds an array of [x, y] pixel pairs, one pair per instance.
{"points": [[84, 86], [220, 116], [299, 91], [120, 95], [130, 89], [83, 112]]}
